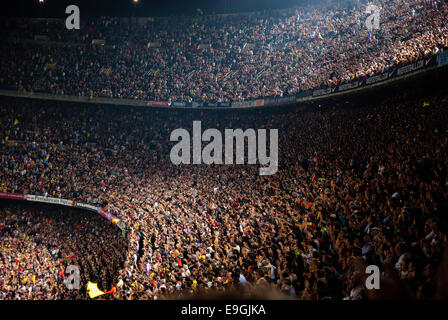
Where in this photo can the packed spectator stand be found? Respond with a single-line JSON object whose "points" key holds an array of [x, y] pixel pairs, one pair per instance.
{"points": [[367, 181], [359, 182], [219, 58]]}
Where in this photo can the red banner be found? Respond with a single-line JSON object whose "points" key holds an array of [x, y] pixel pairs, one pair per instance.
{"points": [[158, 103], [13, 196]]}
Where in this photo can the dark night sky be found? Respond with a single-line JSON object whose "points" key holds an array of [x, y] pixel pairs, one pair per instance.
{"points": [[146, 8]]}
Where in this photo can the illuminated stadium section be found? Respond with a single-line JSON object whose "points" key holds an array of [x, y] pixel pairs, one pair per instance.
{"points": [[93, 206], [233, 60]]}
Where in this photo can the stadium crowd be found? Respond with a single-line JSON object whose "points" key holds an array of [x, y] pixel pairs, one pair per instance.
{"points": [[358, 184], [39, 242], [219, 58]]}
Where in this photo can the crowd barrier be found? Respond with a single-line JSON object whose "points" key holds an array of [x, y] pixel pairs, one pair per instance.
{"points": [[65, 202]]}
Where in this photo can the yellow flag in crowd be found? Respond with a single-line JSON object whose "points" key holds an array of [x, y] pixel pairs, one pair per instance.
{"points": [[92, 289]]}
